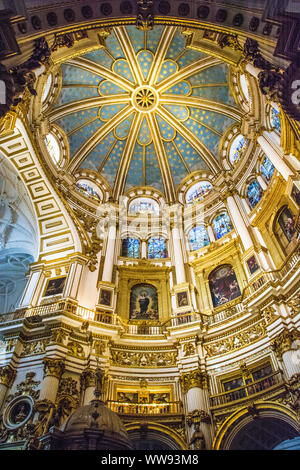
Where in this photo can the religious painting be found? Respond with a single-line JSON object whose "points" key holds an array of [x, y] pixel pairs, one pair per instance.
{"points": [[287, 223], [143, 302], [182, 299], [296, 194], [127, 397], [55, 286], [252, 264], [105, 297], [223, 285], [159, 398]]}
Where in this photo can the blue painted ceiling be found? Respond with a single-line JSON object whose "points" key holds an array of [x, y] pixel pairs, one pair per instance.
{"points": [[181, 135]]}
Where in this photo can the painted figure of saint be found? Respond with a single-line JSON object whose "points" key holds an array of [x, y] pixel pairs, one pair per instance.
{"points": [[144, 303]]}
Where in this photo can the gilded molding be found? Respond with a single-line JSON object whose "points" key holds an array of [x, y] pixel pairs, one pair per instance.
{"points": [[53, 367], [7, 375], [87, 379], [283, 341], [193, 379]]}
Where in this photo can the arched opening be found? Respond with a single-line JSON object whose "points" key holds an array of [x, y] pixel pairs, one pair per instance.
{"points": [[143, 437], [263, 434], [18, 237]]}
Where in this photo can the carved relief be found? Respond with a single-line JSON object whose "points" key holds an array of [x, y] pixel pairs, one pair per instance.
{"points": [[149, 359], [194, 378]]}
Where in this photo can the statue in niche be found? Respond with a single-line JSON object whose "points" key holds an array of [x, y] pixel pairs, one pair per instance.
{"points": [[143, 302], [197, 440]]}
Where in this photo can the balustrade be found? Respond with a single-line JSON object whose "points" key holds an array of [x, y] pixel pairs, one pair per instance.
{"points": [[242, 393], [172, 407]]}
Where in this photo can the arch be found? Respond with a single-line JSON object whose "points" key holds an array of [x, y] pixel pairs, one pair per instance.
{"points": [[238, 425], [223, 285], [166, 436]]}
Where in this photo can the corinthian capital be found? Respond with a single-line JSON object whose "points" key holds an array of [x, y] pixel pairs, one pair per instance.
{"points": [[53, 367], [195, 378], [87, 379], [283, 342], [7, 375]]}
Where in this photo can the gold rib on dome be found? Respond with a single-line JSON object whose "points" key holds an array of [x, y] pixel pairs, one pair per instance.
{"points": [[144, 110]]}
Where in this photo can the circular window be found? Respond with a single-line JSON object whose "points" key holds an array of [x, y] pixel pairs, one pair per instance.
{"points": [[47, 88], [198, 191], [237, 148], [52, 147]]}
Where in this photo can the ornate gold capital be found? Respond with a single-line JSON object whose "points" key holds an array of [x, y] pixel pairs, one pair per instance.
{"points": [[53, 367], [195, 378], [87, 379], [7, 375], [283, 342]]}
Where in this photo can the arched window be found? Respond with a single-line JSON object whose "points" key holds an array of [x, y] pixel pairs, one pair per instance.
{"points": [[143, 205], [237, 148], [131, 247], [275, 120], [222, 225], [223, 285], [52, 147], [89, 189], [267, 169], [157, 248], [254, 193], [198, 238], [198, 191], [285, 226]]}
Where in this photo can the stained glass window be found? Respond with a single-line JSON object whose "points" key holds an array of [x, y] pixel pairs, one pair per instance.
{"points": [[143, 205], [157, 248], [198, 238], [222, 225], [52, 147], [131, 247], [254, 193], [275, 120], [87, 189], [237, 148], [198, 191], [267, 169]]}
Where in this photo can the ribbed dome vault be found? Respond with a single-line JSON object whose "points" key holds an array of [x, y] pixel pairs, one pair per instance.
{"points": [[145, 110]]}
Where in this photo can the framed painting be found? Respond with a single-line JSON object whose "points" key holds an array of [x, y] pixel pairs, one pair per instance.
{"points": [[55, 286], [252, 264], [182, 299], [143, 302], [105, 297]]}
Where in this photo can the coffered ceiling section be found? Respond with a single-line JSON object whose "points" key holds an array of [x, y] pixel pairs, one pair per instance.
{"points": [[144, 110]]}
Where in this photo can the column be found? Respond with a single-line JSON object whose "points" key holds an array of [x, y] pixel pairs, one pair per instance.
{"points": [[211, 234], [239, 224], [287, 348], [87, 386], [194, 385], [110, 253], [7, 377], [144, 249], [53, 370], [274, 155], [262, 182], [178, 256]]}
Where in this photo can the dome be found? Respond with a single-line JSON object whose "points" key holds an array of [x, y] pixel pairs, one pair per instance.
{"points": [[96, 416], [144, 110]]}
